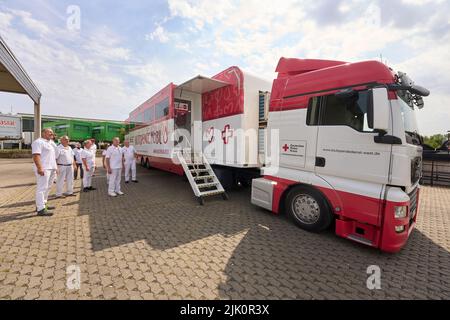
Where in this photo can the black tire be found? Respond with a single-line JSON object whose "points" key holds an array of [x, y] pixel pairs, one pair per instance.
{"points": [[308, 209]]}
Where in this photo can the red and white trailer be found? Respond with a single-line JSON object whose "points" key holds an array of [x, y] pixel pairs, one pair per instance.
{"points": [[328, 141], [211, 114]]}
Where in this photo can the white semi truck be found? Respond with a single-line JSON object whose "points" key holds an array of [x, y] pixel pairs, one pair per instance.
{"points": [[327, 141]]}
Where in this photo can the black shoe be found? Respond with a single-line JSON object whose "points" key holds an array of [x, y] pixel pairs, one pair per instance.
{"points": [[127, 181], [44, 213], [71, 195], [50, 207], [135, 181], [86, 189], [92, 188]]}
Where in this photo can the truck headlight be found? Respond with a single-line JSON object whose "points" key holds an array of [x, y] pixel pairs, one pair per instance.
{"points": [[400, 212], [399, 229]]}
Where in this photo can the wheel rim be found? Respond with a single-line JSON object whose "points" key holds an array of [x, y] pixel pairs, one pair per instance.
{"points": [[306, 209]]}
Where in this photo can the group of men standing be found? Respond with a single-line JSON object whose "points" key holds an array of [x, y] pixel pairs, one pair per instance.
{"points": [[64, 163]]}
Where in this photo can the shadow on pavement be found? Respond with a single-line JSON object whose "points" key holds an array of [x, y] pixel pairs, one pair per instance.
{"points": [[270, 257], [19, 204], [19, 185], [294, 264], [17, 216]]}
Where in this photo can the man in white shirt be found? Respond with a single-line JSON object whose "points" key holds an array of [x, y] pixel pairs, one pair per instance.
{"points": [[77, 151], [66, 164], [44, 160], [94, 151], [88, 159], [129, 154], [54, 145], [114, 164], [104, 162]]}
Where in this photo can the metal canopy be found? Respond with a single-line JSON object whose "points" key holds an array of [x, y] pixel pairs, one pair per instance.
{"points": [[13, 77], [201, 84]]}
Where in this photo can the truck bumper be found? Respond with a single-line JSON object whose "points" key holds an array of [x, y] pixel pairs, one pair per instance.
{"points": [[386, 235], [393, 240]]}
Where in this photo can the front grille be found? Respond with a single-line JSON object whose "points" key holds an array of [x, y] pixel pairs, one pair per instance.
{"points": [[413, 204], [416, 169]]}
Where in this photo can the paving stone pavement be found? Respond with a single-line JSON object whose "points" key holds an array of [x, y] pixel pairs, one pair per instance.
{"points": [[156, 242]]}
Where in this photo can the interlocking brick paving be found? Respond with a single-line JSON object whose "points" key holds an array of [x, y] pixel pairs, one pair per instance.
{"points": [[156, 242]]}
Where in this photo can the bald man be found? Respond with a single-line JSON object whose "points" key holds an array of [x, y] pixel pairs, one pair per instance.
{"points": [[66, 164], [114, 165], [129, 154], [44, 166]]}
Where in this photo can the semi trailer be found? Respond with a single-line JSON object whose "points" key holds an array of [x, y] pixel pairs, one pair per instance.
{"points": [[327, 142]]}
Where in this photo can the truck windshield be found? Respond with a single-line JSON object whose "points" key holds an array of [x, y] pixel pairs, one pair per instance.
{"points": [[409, 122]]}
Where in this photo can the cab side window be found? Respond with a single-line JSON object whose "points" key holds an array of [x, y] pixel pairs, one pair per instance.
{"points": [[331, 110]]}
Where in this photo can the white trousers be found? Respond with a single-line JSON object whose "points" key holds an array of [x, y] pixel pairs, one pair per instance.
{"points": [[114, 180], [130, 165], [87, 178], [43, 186], [52, 180], [65, 174]]}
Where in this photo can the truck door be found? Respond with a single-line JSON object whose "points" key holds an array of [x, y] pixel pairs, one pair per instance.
{"points": [[347, 156]]}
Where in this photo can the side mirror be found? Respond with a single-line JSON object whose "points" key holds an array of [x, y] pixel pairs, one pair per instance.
{"points": [[379, 110]]}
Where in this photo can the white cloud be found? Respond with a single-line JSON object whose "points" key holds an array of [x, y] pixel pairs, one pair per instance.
{"points": [[104, 43], [77, 76], [260, 32], [31, 23], [158, 34], [95, 70], [5, 20]]}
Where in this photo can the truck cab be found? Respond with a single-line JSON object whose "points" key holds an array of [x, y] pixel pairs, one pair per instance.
{"points": [[343, 145]]}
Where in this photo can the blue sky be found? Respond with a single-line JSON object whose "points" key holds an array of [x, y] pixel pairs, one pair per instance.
{"points": [[125, 51]]}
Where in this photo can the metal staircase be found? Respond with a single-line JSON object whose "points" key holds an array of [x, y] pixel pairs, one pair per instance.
{"points": [[200, 175]]}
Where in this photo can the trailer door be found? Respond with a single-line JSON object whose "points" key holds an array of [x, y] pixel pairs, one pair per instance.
{"points": [[192, 90], [347, 156]]}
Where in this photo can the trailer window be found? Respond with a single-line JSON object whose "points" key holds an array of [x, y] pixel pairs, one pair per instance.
{"points": [[149, 115], [162, 109], [334, 111]]}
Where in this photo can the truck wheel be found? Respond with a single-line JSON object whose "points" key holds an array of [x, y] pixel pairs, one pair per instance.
{"points": [[308, 209]]}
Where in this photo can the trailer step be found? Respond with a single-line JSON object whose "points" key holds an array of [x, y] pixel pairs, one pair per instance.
{"points": [[211, 193], [203, 177], [206, 185], [198, 170], [200, 176]]}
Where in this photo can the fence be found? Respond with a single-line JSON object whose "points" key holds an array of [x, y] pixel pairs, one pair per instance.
{"points": [[436, 173]]}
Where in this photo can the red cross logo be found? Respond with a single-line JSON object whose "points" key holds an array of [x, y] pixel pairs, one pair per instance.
{"points": [[227, 133], [285, 147]]}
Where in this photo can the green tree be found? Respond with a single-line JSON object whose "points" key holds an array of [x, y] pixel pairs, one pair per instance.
{"points": [[435, 141]]}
